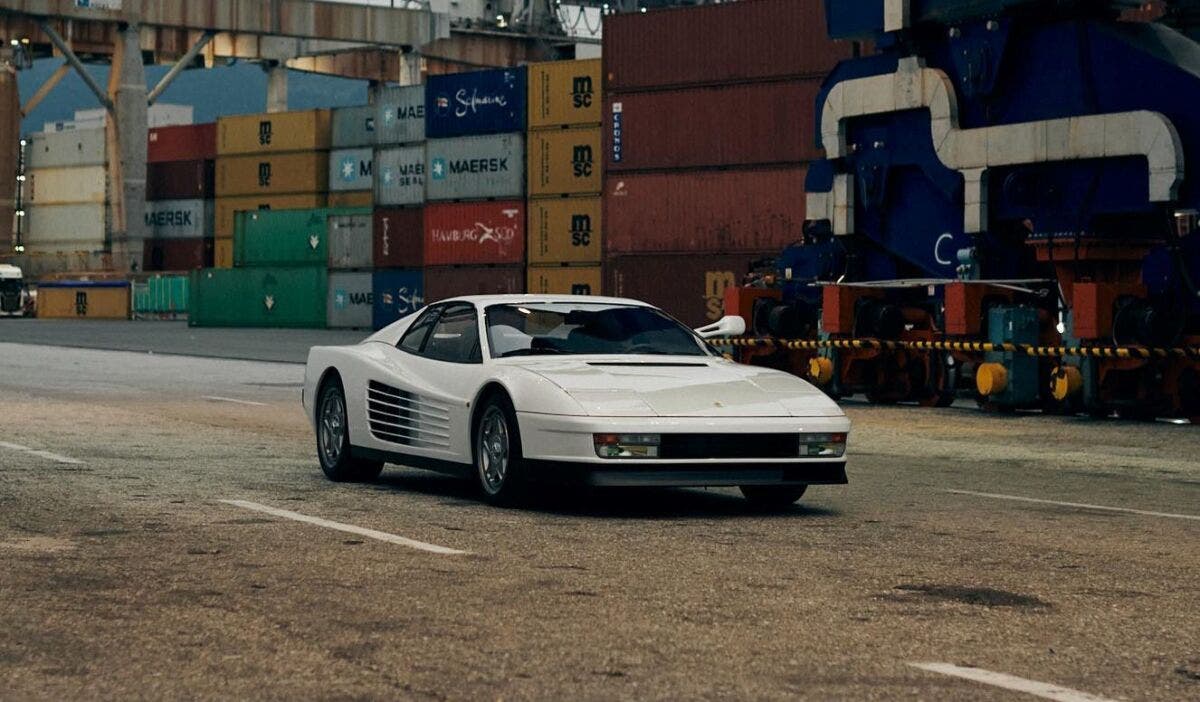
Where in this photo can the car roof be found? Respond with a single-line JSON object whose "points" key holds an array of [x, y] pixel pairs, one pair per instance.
{"points": [[485, 300]]}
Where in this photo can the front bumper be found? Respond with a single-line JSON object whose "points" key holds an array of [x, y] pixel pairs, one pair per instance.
{"points": [[701, 474]]}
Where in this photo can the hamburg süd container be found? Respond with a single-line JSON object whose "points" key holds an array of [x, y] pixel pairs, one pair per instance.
{"points": [[399, 237], [353, 127], [180, 180], [353, 198], [227, 207], [66, 186], [690, 287], [258, 297], [475, 232], [565, 230], [350, 243], [704, 211], [223, 253], [400, 175], [55, 228], [400, 115], [564, 280], [351, 302], [177, 254], [192, 142], [285, 237], [564, 93], [727, 43], [276, 132], [273, 174], [442, 282], [83, 147], [475, 167], [734, 125], [397, 294], [351, 170], [179, 219], [479, 102], [91, 299], [564, 161]]}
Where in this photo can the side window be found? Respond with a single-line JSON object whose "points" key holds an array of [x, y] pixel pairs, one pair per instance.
{"points": [[414, 339], [455, 336]]}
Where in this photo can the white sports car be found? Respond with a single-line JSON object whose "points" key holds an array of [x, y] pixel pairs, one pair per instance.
{"points": [[518, 388]]}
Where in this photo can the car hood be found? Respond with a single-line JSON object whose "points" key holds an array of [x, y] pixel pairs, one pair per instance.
{"points": [[681, 386]]}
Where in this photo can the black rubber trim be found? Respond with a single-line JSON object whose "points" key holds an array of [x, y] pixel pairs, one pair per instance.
{"points": [[462, 470], [648, 472]]}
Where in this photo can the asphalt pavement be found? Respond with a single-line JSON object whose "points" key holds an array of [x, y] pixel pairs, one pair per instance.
{"points": [[165, 532]]}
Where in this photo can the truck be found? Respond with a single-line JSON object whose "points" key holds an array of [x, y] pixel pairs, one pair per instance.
{"points": [[15, 298]]}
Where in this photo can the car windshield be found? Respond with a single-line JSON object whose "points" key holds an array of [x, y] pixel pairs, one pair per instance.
{"points": [[579, 328]]}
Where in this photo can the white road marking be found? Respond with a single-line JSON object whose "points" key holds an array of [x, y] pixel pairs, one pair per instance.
{"points": [[56, 457], [216, 398], [371, 533], [1012, 682], [1080, 505]]}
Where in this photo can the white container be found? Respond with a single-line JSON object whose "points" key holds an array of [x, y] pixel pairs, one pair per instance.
{"points": [[400, 176], [66, 228], [83, 147], [180, 219], [66, 186], [351, 170]]}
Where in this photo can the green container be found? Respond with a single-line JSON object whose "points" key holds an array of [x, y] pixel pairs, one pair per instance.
{"points": [[259, 297], [285, 237], [162, 294]]}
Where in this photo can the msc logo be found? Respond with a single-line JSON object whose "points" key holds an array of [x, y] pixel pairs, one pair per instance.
{"points": [[715, 284], [581, 91], [582, 160], [264, 133], [581, 289], [264, 174], [438, 169], [581, 230]]}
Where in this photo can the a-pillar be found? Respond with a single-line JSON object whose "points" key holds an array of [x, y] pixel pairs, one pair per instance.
{"points": [[127, 136], [277, 87], [10, 135]]}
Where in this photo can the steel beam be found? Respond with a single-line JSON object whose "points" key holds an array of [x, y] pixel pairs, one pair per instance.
{"points": [[127, 137], [72, 59], [51, 82], [179, 66]]}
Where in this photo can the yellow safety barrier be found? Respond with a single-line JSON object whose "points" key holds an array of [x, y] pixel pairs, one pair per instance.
{"points": [[1130, 352]]}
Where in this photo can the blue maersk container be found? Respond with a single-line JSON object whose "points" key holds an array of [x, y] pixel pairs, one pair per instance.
{"points": [[397, 293], [482, 102]]}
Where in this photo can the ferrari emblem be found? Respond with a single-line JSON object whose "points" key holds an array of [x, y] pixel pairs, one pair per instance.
{"points": [[269, 301]]}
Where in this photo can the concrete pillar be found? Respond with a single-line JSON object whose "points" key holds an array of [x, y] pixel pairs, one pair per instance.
{"points": [[127, 135], [10, 135], [277, 88]]}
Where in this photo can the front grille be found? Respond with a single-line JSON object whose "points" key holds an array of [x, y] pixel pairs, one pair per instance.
{"points": [[401, 417], [698, 446], [10, 302]]}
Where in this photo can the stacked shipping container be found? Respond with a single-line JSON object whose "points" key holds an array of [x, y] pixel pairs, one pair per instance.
{"points": [[66, 190], [179, 197], [705, 154], [564, 178]]}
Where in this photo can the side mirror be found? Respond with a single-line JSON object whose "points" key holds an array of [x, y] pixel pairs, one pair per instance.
{"points": [[728, 326]]}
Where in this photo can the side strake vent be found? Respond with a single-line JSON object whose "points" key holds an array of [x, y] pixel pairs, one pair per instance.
{"points": [[401, 417]]}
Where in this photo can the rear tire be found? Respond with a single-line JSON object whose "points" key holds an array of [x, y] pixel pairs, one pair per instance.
{"points": [[773, 496], [499, 466], [333, 439]]}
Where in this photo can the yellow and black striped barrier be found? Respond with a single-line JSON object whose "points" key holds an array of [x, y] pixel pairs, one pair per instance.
{"points": [[1123, 352]]}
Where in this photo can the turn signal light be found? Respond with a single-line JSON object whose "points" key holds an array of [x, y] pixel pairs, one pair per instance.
{"points": [[627, 445], [822, 445]]}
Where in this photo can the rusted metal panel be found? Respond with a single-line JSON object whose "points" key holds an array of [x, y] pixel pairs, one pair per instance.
{"points": [[443, 282], [691, 287]]}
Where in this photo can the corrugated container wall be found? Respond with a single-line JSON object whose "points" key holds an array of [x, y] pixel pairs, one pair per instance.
{"points": [[66, 186], [442, 282], [350, 244], [351, 170], [761, 123], [400, 115], [354, 198], [90, 299], [736, 42], [353, 127], [564, 93], [475, 167], [474, 233], [479, 102], [351, 303], [180, 180], [397, 294], [273, 174], [179, 219], [84, 147], [565, 230], [398, 236], [564, 280], [223, 253], [278, 132], [194, 142], [564, 161], [691, 287], [177, 254], [258, 297], [229, 206], [64, 228], [400, 176], [285, 237], [710, 211]]}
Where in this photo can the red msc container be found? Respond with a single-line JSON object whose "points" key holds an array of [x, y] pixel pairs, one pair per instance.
{"points": [[180, 180], [728, 43], [442, 282], [459, 233], [177, 254], [690, 287], [192, 142], [730, 125], [399, 237], [724, 211]]}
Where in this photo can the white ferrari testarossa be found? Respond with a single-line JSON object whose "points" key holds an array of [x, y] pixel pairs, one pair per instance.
{"points": [[609, 392]]}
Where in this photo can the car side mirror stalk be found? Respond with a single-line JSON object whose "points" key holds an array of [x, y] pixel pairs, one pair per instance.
{"points": [[729, 325]]}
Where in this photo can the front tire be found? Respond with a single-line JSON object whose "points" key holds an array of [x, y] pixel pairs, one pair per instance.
{"points": [[499, 466], [333, 439], [773, 496]]}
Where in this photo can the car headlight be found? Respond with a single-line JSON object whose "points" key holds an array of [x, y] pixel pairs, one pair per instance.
{"points": [[627, 445], [822, 445]]}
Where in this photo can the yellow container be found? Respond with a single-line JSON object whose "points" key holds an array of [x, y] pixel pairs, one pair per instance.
{"points": [[274, 133], [273, 174], [564, 280], [564, 230], [98, 300], [227, 207], [564, 161], [563, 93], [67, 186], [355, 198], [223, 253]]}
